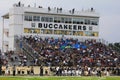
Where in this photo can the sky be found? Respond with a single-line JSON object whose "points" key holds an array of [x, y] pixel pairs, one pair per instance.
{"points": [[109, 10]]}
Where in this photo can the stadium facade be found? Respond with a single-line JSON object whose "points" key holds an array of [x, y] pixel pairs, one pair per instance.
{"points": [[52, 22]]}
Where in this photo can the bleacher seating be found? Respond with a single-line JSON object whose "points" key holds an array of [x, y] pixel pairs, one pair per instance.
{"points": [[64, 56], [71, 52]]}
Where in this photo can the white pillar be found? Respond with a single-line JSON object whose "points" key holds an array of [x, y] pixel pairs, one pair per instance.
{"points": [[3, 35]]}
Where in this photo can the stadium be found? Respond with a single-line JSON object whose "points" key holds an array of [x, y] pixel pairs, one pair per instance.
{"points": [[57, 44]]}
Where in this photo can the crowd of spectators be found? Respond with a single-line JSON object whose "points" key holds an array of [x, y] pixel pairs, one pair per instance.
{"points": [[67, 56], [10, 58], [86, 71], [71, 52], [3, 59]]}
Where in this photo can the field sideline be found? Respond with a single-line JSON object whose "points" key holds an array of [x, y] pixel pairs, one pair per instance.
{"points": [[57, 78]]}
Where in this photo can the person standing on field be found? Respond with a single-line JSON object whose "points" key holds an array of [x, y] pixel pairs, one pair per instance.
{"points": [[14, 70]]}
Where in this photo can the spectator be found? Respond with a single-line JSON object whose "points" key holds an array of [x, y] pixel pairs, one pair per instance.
{"points": [[14, 70], [41, 71]]}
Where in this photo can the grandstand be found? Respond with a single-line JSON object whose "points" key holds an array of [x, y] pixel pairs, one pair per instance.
{"points": [[52, 22], [56, 42]]}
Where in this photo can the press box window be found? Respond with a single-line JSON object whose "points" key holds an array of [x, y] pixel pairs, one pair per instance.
{"points": [[87, 21], [46, 19], [96, 34], [90, 28], [33, 24], [76, 21], [28, 18], [50, 19], [94, 22], [42, 19], [36, 18]]}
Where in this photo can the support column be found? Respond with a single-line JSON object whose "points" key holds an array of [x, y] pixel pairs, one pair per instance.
{"points": [[3, 35]]}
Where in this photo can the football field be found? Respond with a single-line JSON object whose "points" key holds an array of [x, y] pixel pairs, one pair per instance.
{"points": [[57, 78]]}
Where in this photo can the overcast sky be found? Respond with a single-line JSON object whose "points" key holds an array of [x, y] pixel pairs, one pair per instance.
{"points": [[109, 11]]}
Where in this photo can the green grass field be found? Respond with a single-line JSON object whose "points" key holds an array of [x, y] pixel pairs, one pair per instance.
{"points": [[57, 78]]}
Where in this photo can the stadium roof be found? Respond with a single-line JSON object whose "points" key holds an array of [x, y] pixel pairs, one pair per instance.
{"points": [[6, 16]]}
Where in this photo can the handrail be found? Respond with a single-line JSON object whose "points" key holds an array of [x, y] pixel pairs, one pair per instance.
{"points": [[25, 48], [115, 48]]}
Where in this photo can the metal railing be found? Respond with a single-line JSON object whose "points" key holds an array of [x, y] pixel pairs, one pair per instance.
{"points": [[23, 47], [114, 47]]}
